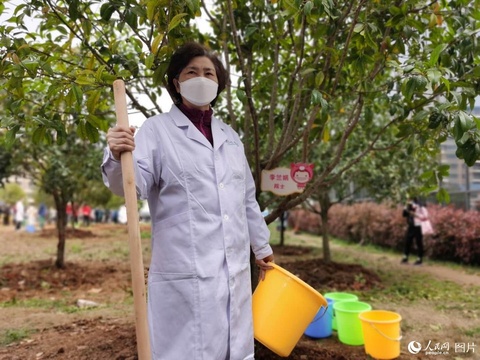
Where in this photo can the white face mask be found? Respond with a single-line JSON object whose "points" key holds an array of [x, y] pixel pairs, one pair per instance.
{"points": [[199, 91]]}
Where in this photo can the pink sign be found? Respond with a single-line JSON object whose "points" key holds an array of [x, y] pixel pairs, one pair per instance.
{"points": [[284, 181]]}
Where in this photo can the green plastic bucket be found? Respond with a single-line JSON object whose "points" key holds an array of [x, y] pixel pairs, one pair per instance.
{"points": [[348, 322], [337, 297]]}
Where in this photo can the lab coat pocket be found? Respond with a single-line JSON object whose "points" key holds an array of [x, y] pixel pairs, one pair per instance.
{"points": [[172, 314], [172, 251]]}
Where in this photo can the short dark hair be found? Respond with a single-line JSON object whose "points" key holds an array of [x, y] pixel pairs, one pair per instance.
{"points": [[182, 57]]}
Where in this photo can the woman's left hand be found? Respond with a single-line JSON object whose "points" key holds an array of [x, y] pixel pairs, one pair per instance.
{"points": [[263, 266]]}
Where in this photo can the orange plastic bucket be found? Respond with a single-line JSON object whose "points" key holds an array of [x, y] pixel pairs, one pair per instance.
{"points": [[283, 307], [382, 334]]}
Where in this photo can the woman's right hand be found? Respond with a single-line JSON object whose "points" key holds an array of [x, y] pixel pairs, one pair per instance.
{"points": [[120, 139]]}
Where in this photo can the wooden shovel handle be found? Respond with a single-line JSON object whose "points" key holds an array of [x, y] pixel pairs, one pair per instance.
{"points": [[136, 259]]}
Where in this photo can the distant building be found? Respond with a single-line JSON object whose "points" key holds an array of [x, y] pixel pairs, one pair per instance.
{"points": [[463, 182]]}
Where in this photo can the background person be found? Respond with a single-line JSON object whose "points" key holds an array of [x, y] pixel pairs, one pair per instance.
{"points": [[32, 213], [19, 216], [192, 169], [412, 213], [42, 215]]}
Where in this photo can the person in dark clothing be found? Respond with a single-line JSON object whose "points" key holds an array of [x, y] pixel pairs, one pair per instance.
{"points": [[414, 231]]}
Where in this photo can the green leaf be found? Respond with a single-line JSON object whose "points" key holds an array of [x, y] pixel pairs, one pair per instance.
{"points": [[250, 29], [368, 114], [106, 11], [436, 54], [469, 153], [92, 133], [462, 140], [61, 136], [11, 135], [38, 135], [420, 115], [307, 8], [159, 74], [151, 7], [316, 97], [47, 68], [410, 89], [32, 68], [444, 170], [414, 84], [98, 123], [77, 92], [326, 133], [446, 82], [177, 19], [149, 61], [85, 80], [427, 175], [99, 72], [307, 71], [290, 8], [434, 75], [81, 131], [241, 95], [131, 19], [443, 196], [359, 27], [73, 10], [319, 78], [92, 101]]}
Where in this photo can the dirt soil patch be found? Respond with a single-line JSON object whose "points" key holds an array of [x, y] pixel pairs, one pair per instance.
{"points": [[102, 334], [109, 339]]}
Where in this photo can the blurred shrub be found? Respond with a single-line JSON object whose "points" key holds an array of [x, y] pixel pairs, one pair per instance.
{"points": [[456, 238]]}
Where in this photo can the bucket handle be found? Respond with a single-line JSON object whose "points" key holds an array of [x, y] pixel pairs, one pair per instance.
{"points": [[324, 312], [385, 336]]}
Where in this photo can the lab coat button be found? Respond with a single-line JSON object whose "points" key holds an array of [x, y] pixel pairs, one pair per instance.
{"points": [[221, 185], [225, 217]]}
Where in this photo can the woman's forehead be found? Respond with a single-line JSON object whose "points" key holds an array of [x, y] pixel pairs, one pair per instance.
{"points": [[200, 62]]}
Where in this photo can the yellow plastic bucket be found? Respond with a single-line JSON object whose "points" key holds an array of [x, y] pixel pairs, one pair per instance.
{"points": [[381, 332], [283, 306]]}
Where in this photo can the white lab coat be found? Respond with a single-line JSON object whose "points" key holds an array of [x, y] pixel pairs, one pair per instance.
{"points": [[204, 220]]}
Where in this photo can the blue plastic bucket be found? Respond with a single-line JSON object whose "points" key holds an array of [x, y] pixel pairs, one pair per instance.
{"points": [[321, 326]]}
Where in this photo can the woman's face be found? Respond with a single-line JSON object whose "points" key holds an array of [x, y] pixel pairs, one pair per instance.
{"points": [[198, 66]]}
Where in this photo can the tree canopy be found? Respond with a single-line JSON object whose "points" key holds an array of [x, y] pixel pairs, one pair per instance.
{"points": [[320, 81]]}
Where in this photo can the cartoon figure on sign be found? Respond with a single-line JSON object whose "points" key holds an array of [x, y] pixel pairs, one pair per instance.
{"points": [[301, 173]]}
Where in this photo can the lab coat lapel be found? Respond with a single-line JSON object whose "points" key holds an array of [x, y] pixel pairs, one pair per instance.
{"points": [[191, 132], [195, 134], [218, 133]]}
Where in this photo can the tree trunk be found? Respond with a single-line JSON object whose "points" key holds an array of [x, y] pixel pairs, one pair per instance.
{"points": [[325, 205], [61, 229]]}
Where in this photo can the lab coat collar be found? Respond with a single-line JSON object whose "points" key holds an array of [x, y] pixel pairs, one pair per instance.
{"points": [[218, 129]]}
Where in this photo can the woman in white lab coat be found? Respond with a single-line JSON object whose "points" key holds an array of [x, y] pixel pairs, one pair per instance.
{"points": [[192, 169]]}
